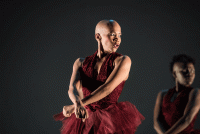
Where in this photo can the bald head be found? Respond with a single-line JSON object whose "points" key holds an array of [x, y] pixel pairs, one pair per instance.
{"points": [[108, 36], [105, 25]]}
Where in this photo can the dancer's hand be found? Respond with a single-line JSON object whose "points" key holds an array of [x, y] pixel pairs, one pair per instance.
{"points": [[80, 110], [68, 110]]}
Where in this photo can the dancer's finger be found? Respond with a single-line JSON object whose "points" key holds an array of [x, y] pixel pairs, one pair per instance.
{"points": [[87, 115], [77, 113], [83, 113]]}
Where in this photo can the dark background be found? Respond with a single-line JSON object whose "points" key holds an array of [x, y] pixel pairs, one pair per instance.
{"points": [[41, 39]]}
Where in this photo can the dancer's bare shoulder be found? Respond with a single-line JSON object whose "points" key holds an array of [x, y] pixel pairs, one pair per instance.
{"points": [[164, 92], [78, 62], [161, 94], [195, 94], [126, 60], [123, 63]]}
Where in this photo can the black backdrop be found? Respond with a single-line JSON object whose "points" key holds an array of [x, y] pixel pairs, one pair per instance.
{"points": [[41, 39]]}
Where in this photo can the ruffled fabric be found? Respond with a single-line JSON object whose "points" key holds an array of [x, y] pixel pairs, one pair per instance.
{"points": [[120, 118]]}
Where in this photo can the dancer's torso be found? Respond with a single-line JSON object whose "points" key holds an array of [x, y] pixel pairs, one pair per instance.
{"points": [[173, 109], [91, 80]]}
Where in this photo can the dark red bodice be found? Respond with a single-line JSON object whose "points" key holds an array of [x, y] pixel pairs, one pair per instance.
{"points": [[173, 111], [91, 80]]}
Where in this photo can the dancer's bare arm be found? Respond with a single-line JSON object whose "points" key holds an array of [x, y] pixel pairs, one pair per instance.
{"points": [[79, 89], [75, 82], [159, 125], [191, 110], [120, 73]]}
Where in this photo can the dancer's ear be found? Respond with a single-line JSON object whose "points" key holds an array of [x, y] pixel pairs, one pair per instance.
{"points": [[174, 74], [98, 37], [100, 47]]}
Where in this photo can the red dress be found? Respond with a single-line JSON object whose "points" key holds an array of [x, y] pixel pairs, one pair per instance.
{"points": [[173, 111], [106, 116]]}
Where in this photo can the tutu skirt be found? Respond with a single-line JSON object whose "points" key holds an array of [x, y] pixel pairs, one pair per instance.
{"points": [[117, 118]]}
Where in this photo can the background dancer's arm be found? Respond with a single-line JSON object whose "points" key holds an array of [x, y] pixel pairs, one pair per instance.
{"points": [[191, 110], [120, 73], [159, 123]]}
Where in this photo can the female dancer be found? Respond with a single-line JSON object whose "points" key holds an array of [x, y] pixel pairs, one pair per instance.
{"points": [[102, 77], [176, 109]]}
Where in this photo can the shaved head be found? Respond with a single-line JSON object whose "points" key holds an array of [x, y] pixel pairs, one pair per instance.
{"points": [[108, 36], [105, 25]]}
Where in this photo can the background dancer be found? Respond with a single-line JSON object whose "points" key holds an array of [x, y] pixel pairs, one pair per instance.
{"points": [[176, 109]]}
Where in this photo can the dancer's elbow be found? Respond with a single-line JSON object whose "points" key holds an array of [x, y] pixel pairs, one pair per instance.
{"points": [[187, 120], [71, 89], [155, 125]]}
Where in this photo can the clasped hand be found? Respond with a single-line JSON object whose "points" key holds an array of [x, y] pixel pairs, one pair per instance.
{"points": [[79, 110]]}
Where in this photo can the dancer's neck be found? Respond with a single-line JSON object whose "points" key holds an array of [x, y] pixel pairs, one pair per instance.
{"points": [[180, 87]]}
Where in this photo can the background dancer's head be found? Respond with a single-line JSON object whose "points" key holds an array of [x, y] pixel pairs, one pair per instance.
{"points": [[183, 70]]}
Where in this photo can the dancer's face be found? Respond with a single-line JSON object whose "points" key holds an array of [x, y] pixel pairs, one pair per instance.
{"points": [[184, 73], [110, 37]]}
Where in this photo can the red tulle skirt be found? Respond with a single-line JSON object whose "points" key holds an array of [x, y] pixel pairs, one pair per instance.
{"points": [[118, 118]]}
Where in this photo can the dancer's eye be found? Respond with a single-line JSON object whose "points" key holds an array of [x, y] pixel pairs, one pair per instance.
{"points": [[112, 34], [192, 70]]}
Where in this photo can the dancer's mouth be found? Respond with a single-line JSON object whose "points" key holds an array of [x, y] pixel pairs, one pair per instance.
{"points": [[116, 45]]}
